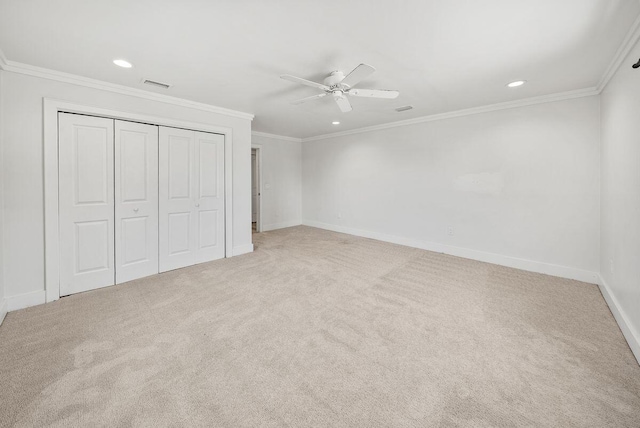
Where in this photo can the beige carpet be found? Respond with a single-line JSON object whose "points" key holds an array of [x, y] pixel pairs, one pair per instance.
{"points": [[322, 329]]}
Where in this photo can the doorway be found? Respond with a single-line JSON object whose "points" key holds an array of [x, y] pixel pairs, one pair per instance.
{"points": [[256, 188]]}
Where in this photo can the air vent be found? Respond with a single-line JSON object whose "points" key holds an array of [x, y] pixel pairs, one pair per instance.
{"points": [[156, 84], [404, 108]]}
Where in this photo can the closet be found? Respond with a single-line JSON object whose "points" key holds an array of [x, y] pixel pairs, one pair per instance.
{"points": [[135, 200]]}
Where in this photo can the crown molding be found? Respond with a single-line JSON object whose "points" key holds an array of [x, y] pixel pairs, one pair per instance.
{"points": [[621, 54], [45, 73], [276, 137], [466, 112]]}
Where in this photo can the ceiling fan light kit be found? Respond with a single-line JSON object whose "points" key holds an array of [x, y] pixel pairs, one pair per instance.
{"points": [[340, 87]]}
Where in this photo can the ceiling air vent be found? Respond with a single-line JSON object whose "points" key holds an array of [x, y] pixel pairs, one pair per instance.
{"points": [[156, 84], [404, 108]]}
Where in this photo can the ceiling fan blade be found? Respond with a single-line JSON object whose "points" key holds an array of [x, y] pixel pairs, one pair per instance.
{"points": [[357, 74], [343, 103], [373, 93], [313, 97], [306, 82]]}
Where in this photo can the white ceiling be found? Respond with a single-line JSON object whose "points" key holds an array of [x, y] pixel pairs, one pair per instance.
{"points": [[442, 55]]}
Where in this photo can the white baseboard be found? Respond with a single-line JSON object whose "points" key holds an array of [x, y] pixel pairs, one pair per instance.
{"points": [[3, 310], [628, 330], [497, 259], [22, 301], [281, 225], [242, 249]]}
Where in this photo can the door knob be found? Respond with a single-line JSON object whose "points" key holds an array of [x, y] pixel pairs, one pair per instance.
{"points": [[197, 205], [135, 210]]}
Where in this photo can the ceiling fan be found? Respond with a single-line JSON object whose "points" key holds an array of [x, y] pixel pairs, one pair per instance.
{"points": [[339, 86]]}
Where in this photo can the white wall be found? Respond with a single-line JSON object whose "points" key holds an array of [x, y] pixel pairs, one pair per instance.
{"points": [[520, 187], [620, 226], [22, 170], [3, 303], [281, 182]]}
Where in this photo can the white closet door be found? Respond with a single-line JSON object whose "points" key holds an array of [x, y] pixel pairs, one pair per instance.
{"points": [[177, 205], [86, 203], [191, 166], [136, 200], [210, 196]]}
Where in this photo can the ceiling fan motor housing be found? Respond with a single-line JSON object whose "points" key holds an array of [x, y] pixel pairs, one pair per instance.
{"points": [[334, 79]]}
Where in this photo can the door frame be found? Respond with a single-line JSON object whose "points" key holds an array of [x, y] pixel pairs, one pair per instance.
{"points": [[258, 149], [51, 108]]}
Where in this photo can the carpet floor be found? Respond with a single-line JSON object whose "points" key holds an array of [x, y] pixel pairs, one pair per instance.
{"points": [[322, 329]]}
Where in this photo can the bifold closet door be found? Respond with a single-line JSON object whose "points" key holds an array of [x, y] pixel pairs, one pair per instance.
{"points": [[191, 202], [136, 200], [86, 203], [209, 196]]}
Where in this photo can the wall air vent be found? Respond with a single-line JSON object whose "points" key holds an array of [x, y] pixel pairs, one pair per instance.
{"points": [[404, 108], [156, 84]]}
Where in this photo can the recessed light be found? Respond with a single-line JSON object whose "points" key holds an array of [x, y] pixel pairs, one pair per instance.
{"points": [[335, 123], [122, 63], [517, 83]]}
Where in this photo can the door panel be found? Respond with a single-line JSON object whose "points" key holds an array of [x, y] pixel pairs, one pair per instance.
{"points": [[136, 200], [86, 206], [207, 167], [92, 246], [137, 240], [93, 157], [134, 164], [208, 229], [179, 233], [180, 159], [210, 201], [177, 219], [191, 197]]}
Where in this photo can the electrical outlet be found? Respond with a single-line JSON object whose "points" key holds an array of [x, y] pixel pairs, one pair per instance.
{"points": [[339, 215], [450, 230], [611, 265]]}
